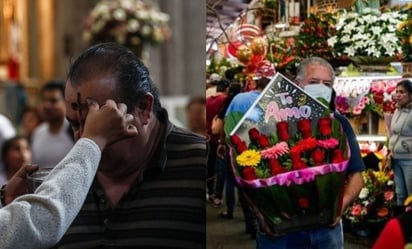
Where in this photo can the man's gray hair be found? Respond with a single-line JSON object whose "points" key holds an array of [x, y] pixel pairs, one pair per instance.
{"points": [[302, 69]]}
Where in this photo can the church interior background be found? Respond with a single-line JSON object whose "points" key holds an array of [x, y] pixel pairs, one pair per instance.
{"points": [[39, 39]]}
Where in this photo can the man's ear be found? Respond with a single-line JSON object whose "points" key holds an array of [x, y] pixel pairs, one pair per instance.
{"points": [[144, 107]]}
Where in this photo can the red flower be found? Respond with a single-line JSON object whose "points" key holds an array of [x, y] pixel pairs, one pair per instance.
{"points": [[283, 130], [241, 147], [318, 156], [254, 134], [275, 167], [337, 156], [303, 203], [263, 141], [235, 139], [304, 126], [325, 126], [298, 163], [249, 173]]}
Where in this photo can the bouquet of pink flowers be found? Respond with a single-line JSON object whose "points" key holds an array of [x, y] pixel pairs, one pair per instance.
{"points": [[291, 160]]}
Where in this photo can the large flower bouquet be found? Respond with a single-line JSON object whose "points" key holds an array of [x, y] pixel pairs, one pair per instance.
{"points": [[289, 156], [375, 202], [371, 34], [128, 22]]}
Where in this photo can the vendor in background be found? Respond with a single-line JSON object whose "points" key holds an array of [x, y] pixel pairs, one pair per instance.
{"points": [[318, 73], [400, 141]]}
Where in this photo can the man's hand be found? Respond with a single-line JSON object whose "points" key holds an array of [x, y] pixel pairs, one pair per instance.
{"points": [[109, 123], [18, 184]]}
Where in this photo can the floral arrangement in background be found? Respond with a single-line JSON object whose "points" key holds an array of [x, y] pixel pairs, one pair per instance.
{"points": [[220, 66], [127, 22], [353, 97], [313, 36], [382, 92], [371, 33], [404, 32], [375, 201], [282, 52]]}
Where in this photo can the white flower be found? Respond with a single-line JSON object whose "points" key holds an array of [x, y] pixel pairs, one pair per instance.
{"points": [[363, 193], [131, 22], [133, 25], [371, 33], [119, 14], [389, 183]]}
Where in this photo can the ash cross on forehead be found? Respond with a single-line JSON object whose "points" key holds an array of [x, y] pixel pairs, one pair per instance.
{"points": [[79, 106]]}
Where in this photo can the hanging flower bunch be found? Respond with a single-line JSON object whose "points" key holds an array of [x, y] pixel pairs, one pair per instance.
{"points": [[128, 22], [371, 33], [375, 201], [313, 36]]}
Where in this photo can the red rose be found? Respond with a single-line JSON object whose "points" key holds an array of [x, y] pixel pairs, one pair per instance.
{"points": [[337, 156], [297, 163], [254, 134], [275, 167], [303, 203], [249, 173], [282, 130], [241, 147], [304, 127], [263, 141], [325, 126], [309, 143], [235, 139], [318, 156]]}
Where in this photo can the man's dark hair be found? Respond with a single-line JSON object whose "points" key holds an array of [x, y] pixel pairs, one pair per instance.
{"points": [[53, 85], [131, 75], [261, 83], [222, 85]]}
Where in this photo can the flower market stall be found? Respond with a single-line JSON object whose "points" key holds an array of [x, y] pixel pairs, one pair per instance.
{"points": [[370, 48]]}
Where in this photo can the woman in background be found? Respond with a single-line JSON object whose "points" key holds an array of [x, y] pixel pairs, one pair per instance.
{"points": [[400, 141], [15, 154]]}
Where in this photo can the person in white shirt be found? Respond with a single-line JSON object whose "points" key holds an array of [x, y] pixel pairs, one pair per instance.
{"points": [[53, 138], [39, 220]]}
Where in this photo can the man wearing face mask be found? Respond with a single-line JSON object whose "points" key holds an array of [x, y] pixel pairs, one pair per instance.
{"points": [[316, 76]]}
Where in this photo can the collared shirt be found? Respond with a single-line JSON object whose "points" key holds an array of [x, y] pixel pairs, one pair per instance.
{"points": [[164, 208]]}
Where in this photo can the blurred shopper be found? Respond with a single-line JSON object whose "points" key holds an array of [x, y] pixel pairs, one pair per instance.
{"points": [[214, 104]]}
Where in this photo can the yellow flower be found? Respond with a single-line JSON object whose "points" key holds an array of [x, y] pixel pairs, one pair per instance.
{"points": [[410, 39], [249, 158], [401, 25], [408, 201]]}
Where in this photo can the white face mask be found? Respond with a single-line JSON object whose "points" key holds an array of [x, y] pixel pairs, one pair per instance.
{"points": [[319, 91]]}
